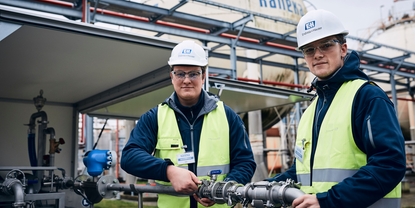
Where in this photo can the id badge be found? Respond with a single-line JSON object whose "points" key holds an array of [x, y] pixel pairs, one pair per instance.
{"points": [[186, 158], [299, 153]]}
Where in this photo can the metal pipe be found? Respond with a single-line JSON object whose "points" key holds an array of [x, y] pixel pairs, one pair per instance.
{"points": [[17, 189], [141, 189], [274, 83], [41, 145], [52, 146], [14, 187], [140, 200], [85, 11], [82, 139], [261, 194], [292, 193], [171, 24], [58, 3], [409, 142]]}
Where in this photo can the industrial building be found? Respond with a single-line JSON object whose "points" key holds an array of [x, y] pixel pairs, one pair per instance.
{"points": [[77, 74]]}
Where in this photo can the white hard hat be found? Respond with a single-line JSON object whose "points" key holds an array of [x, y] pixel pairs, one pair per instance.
{"points": [[318, 24], [188, 53]]}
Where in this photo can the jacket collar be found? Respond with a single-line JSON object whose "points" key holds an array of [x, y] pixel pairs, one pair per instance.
{"points": [[349, 71], [207, 102]]}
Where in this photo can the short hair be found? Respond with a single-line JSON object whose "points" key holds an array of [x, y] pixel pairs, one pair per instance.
{"points": [[341, 38]]}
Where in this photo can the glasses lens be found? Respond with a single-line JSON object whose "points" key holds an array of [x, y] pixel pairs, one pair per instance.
{"points": [[326, 46], [193, 75], [182, 75], [309, 51]]}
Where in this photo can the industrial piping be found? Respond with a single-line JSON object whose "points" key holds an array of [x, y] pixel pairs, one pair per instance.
{"points": [[256, 194], [17, 188], [13, 186], [52, 146], [41, 145], [43, 130]]}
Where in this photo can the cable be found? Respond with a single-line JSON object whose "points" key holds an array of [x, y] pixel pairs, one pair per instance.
{"points": [[77, 191], [100, 133]]}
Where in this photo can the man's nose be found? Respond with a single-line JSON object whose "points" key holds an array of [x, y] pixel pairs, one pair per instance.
{"points": [[318, 52]]}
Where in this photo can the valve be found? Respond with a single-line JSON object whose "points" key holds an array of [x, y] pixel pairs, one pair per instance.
{"points": [[39, 101], [54, 145]]}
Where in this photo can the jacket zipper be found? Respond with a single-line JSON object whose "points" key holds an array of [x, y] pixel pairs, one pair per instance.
{"points": [[316, 134]]}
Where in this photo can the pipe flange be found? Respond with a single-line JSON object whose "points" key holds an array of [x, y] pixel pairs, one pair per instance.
{"points": [[281, 193], [233, 197], [103, 183]]}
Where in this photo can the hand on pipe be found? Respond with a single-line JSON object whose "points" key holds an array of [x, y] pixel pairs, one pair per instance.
{"points": [[182, 180], [204, 201], [306, 201]]}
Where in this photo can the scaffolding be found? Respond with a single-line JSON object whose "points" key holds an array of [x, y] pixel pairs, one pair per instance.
{"points": [[208, 30]]}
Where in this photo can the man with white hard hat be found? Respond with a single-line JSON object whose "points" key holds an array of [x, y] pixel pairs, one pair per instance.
{"points": [[349, 150], [192, 134]]}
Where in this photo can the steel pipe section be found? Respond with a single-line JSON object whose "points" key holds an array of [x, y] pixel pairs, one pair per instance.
{"points": [[257, 194]]}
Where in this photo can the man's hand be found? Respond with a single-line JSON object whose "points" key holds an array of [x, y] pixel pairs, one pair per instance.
{"points": [[306, 201], [204, 201], [182, 180]]}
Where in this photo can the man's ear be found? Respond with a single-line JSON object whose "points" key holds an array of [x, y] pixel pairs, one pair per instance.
{"points": [[344, 49]]}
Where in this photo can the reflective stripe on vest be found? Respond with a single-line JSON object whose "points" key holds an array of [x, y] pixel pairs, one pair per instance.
{"points": [[337, 156], [213, 148]]}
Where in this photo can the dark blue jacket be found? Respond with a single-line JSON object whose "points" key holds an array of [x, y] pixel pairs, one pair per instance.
{"points": [[385, 147], [136, 156]]}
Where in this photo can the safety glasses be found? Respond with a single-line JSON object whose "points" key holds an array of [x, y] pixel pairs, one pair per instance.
{"points": [[192, 75], [324, 47]]}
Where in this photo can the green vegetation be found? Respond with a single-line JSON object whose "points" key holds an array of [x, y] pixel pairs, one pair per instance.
{"points": [[114, 203]]}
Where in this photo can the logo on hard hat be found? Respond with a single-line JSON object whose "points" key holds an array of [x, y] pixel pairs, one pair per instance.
{"points": [[186, 51], [310, 25]]}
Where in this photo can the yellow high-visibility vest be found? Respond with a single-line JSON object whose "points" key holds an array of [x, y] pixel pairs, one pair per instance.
{"points": [[337, 156], [213, 149]]}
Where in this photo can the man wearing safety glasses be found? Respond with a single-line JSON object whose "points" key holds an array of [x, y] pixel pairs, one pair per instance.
{"points": [[349, 149], [192, 134]]}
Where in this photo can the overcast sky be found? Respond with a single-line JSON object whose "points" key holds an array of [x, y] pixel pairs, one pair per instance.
{"points": [[358, 15]]}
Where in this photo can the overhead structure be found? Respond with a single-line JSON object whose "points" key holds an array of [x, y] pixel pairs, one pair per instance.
{"points": [[88, 51], [173, 22]]}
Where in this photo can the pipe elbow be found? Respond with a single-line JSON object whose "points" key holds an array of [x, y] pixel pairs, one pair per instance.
{"points": [[19, 194], [15, 187], [41, 114], [50, 131]]}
